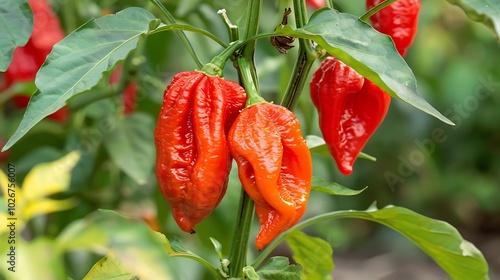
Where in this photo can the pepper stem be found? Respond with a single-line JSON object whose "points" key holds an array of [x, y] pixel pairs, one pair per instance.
{"points": [[307, 56], [375, 9], [238, 252], [248, 77], [214, 67]]}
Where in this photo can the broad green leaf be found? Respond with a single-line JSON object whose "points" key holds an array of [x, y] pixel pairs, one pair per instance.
{"points": [[16, 23], [108, 268], [134, 245], [317, 146], [38, 255], [486, 12], [78, 62], [370, 53], [320, 185], [442, 242], [130, 144], [279, 268], [313, 254]]}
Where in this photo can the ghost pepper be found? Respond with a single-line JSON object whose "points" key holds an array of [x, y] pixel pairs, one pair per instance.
{"points": [[274, 166], [192, 158], [350, 109]]}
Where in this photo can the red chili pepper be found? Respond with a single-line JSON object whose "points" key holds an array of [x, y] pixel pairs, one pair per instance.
{"points": [[129, 93], [274, 166], [350, 109], [398, 20], [192, 158]]}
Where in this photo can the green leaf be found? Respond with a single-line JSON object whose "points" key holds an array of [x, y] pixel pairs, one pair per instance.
{"points": [[250, 273], [279, 268], [486, 12], [130, 144], [317, 146], [16, 23], [77, 63], [370, 53], [313, 254], [134, 245], [320, 185], [442, 242], [217, 247], [108, 268], [175, 248]]}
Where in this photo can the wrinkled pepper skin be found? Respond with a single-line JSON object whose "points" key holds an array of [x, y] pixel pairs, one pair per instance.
{"points": [[274, 166], [398, 20], [192, 158], [350, 109]]}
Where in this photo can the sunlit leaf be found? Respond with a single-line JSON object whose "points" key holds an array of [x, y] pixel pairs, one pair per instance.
{"points": [[49, 178], [16, 23], [131, 242], [77, 63], [39, 255], [109, 268], [313, 254], [370, 53], [320, 185], [486, 12]]}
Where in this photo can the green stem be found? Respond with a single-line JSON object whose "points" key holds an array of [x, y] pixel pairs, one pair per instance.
{"points": [[307, 56], [375, 9], [299, 79], [182, 36], [237, 256], [205, 263], [185, 27], [248, 77], [232, 30], [214, 67], [69, 16]]}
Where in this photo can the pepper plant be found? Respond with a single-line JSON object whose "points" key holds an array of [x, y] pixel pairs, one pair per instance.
{"points": [[207, 120]]}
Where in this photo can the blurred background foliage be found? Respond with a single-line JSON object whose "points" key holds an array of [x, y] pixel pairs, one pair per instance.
{"points": [[455, 178]]}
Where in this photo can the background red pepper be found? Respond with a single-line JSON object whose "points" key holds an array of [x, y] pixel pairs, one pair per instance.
{"points": [[274, 166], [26, 60], [398, 20]]}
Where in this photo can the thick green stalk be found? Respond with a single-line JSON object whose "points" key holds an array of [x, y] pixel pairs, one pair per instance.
{"points": [[237, 255], [182, 36], [246, 69], [307, 56]]}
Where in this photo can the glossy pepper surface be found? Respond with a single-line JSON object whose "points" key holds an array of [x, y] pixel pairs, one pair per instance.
{"points": [[192, 158], [274, 166], [350, 109], [398, 20]]}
